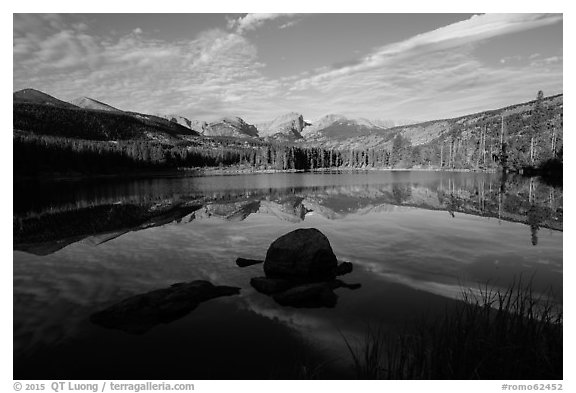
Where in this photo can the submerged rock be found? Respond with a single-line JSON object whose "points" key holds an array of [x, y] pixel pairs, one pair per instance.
{"points": [[303, 253], [270, 286], [138, 314], [341, 284], [309, 295], [299, 293]]}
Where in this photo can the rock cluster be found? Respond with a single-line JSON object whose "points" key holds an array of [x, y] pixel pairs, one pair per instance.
{"points": [[301, 270]]}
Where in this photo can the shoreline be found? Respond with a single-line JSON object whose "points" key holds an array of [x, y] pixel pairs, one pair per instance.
{"points": [[217, 171], [230, 171]]}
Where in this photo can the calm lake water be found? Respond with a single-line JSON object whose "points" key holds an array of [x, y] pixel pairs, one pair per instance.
{"points": [[416, 239]]}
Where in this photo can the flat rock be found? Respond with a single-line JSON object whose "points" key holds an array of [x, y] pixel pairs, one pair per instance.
{"points": [[138, 314]]}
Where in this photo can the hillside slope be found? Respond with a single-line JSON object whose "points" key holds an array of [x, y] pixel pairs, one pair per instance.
{"points": [[40, 114], [515, 134], [33, 96], [90, 103], [335, 136]]}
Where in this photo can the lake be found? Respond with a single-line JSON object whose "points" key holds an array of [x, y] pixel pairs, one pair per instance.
{"points": [[416, 241]]}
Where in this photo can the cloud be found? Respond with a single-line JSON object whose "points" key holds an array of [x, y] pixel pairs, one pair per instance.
{"points": [[219, 72], [552, 60], [202, 76], [37, 24], [442, 84], [47, 41], [470, 31], [290, 24], [253, 21]]}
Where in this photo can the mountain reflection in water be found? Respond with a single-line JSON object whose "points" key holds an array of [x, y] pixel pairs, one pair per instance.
{"points": [[97, 218]]}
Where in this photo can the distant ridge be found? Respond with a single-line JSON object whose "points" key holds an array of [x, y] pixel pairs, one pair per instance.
{"points": [[231, 127], [194, 125], [287, 127], [339, 126], [322, 123], [90, 103], [33, 96], [336, 126]]}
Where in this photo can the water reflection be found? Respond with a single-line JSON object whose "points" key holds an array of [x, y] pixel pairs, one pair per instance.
{"points": [[111, 210], [414, 239], [301, 293]]}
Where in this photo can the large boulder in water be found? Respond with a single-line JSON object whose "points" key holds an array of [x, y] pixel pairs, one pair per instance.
{"points": [[301, 254]]}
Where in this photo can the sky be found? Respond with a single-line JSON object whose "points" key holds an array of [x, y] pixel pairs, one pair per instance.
{"points": [[258, 66]]}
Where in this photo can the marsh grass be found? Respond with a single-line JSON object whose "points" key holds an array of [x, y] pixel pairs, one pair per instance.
{"points": [[368, 355], [302, 363], [491, 334]]}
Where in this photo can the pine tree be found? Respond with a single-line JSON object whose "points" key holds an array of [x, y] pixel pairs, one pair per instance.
{"points": [[536, 123]]}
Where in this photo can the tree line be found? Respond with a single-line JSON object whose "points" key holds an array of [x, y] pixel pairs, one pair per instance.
{"points": [[35, 154], [492, 141]]}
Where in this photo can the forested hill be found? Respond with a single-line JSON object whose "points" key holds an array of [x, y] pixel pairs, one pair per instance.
{"points": [[530, 132], [41, 114], [53, 136]]}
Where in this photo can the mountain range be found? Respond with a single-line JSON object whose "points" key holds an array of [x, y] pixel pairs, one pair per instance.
{"points": [[90, 103], [288, 127], [470, 141], [333, 130]]}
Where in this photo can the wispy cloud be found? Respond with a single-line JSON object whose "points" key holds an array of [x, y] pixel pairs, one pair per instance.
{"points": [[470, 31], [253, 21], [547, 61], [290, 24]]}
